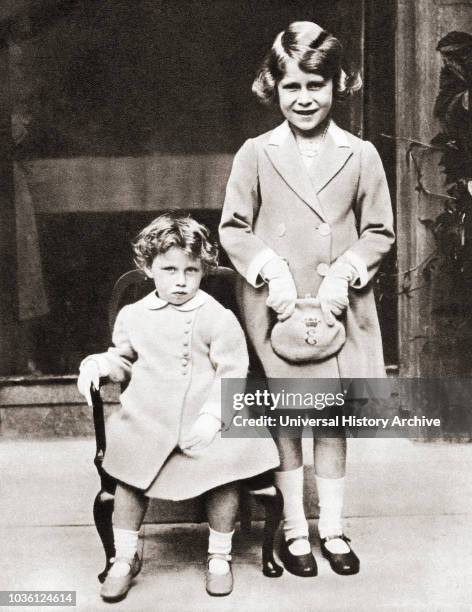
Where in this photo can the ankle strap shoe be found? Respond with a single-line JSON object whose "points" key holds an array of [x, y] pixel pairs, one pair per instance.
{"points": [[219, 585], [344, 564], [299, 565], [116, 588]]}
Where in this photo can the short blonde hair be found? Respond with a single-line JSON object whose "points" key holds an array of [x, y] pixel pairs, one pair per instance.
{"points": [[315, 50], [175, 230]]}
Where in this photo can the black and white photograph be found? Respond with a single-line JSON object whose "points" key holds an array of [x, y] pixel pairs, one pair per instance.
{"points": [[236, 314]]}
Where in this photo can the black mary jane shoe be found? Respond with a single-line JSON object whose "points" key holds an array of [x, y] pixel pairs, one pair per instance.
{"points": [[299, 565], [341, 563]]}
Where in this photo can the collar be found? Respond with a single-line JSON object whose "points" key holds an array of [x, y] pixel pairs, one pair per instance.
{"points": [[283, 131], [153, 302]]}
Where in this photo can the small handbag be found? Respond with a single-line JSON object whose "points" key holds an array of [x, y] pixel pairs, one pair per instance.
{"points": [[305, 336]]}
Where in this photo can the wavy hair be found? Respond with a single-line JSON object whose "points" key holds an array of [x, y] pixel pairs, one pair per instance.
{"points": [[175, 230], [314, 50]]}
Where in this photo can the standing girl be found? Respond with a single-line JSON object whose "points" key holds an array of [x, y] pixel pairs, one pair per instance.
{"points": [[174, 346], [307, 211]]}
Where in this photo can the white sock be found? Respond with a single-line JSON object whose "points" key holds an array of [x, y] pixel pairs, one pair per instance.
{"points": [[290, 484], [331, 498], [219, 542], [126, 545]]}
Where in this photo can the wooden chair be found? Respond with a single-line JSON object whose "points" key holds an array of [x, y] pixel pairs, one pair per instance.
{"points": [[129, 288]]}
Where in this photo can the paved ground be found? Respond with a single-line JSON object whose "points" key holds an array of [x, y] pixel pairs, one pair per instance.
{"points": [[408, 512]]}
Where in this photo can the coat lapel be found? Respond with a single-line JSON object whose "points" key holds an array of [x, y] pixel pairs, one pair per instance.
{"points": [[333, 156], [283, 153]]}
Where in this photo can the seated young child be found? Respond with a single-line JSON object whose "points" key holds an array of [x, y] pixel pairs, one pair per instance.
{"points": [[174, 346]]}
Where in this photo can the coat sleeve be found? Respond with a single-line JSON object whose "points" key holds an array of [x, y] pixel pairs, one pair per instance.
{"points": [[247, 252], [374, 217], [229, 356], [117, 361]]}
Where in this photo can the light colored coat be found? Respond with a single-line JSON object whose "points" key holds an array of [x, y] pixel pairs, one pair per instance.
{"points": [[175, 358], [274, 207]]}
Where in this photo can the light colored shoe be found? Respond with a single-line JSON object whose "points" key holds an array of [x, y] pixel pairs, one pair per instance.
{"points": [[116, 587], [219, 585]]}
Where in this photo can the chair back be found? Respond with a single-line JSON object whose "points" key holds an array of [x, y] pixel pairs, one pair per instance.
{"points": [[134, 285]]}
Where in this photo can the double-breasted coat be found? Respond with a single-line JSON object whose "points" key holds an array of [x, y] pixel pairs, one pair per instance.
{"points": [[275, 206], [174, 358]]}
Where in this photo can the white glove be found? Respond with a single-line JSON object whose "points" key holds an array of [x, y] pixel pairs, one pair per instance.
{"points": [[332, 296], [201, 434], [282, 290], [89, 374]]}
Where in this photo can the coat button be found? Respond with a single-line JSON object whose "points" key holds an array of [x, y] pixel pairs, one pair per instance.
{"points": [[185, 342], [188, 321], [185, 354], [184, 362], [281, 230], [324, 229], [186, 331], [322, 269], [184, 372]]}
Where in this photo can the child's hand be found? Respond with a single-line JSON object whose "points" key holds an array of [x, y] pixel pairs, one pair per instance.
{"points": [[332, 295], [282, 296], [201, 434], [282, 290], [89, 373]]}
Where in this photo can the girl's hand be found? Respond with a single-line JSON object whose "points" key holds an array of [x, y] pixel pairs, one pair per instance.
{"points": [[331, 307], [282, 290], [201, 434], [332, 296], [89, 374], [282, 296]]}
